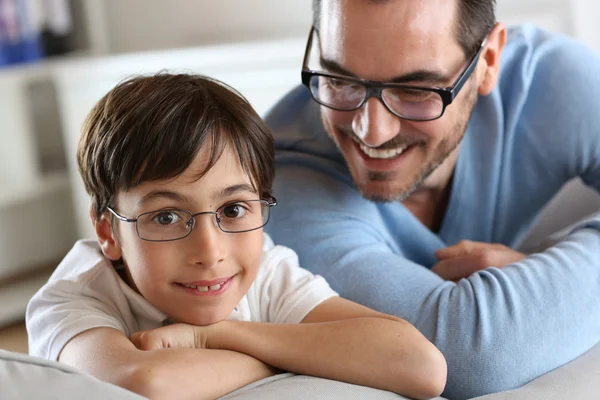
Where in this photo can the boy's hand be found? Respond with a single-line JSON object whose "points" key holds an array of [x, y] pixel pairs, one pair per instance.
{"points": [[466, 257], [173, 336]]}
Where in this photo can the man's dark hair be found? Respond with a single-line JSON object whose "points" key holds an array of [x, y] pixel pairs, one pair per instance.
{"points": [[151, 128], [474, 20]]}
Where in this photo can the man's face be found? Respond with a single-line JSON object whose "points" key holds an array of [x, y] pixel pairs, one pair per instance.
{"points": [[391, 41], [198, 279]]}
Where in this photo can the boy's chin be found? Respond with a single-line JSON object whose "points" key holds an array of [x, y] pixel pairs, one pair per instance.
{"points": [[201, 320]]}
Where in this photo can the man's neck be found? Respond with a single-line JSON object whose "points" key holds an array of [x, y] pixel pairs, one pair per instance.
{"points": [[429, 206], [430, 201]]}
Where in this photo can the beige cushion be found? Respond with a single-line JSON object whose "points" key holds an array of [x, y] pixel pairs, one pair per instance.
{"points": [[25, 377]]}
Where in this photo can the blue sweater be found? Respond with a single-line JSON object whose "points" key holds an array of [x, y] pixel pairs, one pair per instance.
{"points": [[499, 328]]}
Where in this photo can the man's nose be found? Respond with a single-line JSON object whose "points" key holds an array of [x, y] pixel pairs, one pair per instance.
{"points": [[374, 124], [208, 247]]}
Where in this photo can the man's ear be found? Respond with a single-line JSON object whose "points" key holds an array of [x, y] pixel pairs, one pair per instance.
{"points": [[109, 243], [491, 57]]}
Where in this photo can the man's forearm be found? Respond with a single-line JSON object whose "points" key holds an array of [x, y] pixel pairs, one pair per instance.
{"points": [[499, 329], [398, 357]]}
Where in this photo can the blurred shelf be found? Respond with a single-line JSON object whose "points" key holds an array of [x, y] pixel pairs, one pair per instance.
{"points": [[12, 193], [15, 296], [39, 69], [37, 224]]}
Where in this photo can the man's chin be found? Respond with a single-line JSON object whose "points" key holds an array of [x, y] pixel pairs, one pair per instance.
{"points": [[381, 192]]}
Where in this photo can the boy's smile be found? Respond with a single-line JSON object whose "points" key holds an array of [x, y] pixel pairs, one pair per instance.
{"points": [[200, 278], [208, 288]]}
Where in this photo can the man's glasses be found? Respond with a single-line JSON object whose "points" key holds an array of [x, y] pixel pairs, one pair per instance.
{"points": [[172, 224], [413, 103]]}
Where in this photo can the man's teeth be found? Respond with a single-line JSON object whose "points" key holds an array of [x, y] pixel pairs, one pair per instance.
{"points": [[382, 153], [212, 288]]}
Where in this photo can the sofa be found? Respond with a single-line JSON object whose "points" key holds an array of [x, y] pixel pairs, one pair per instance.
{"points": [[25, 377]]}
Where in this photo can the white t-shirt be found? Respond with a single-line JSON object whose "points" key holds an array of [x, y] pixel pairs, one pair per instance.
{"points": [[86, 292]]}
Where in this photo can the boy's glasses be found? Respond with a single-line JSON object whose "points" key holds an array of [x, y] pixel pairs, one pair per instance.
{"points": [[173, 224]]}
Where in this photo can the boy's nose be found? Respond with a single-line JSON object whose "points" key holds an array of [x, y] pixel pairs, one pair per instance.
{"points": [[208, 247], [374, 124]]}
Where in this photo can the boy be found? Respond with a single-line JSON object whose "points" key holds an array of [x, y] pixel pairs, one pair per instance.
{"points": [[198, 303]]}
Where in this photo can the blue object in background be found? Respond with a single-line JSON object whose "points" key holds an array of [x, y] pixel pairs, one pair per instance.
{"points": [[19, 40], [28, 49]]}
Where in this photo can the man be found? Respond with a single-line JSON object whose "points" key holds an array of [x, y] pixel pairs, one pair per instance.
{"points": [[399, 189]]}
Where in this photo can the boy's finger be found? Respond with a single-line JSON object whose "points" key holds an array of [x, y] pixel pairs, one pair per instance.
{"points": [[145, 341], [135, 339]]}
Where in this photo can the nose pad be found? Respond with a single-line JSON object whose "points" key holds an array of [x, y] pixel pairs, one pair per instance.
{"points": [[374, 124], [191, 224]]}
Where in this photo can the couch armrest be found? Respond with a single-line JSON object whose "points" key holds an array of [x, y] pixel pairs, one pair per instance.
{"points": [[300, 387], [575, 380], [25, 377]]}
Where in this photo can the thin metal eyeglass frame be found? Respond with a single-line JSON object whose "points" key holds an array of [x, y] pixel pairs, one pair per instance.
{"points": [[375, 88], [120, 217]]}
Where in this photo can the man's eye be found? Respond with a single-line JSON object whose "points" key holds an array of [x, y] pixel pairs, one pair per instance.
{"points": [[336, 82], [233, 211], [340, 84], [416, 95], [166, 218]]}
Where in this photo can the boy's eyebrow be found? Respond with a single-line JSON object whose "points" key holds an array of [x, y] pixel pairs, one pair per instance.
{"points": [[226, 192], [233, 189], [161, 193], [421, 75]]}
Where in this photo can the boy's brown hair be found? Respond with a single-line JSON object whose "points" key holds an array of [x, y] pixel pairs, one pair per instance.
{"points": [[151, 128]]}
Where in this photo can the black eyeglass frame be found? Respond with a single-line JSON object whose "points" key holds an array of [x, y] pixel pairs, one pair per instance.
{"points": [[375, 88], [269, 203]]}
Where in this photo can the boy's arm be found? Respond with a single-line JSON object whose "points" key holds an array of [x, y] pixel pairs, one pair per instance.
{"points": [[338, 340], [175, 373]]}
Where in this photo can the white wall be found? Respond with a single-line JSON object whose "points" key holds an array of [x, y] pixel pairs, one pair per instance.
{"points": [[134, 25], [118, 26]]}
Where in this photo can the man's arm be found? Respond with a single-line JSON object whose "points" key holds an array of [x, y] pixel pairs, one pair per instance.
{"points": [[498, 329], [336, 340], [161, 374]]}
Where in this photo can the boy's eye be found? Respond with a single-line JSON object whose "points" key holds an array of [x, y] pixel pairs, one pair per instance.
{"points": [[233, 211], [166, 218]]}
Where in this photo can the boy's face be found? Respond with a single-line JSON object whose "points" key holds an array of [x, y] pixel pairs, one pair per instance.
{"points": [[160, 271]]}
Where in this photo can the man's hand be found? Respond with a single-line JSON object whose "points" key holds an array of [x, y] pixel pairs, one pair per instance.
{"points": [[174, 336], [466, 257]]}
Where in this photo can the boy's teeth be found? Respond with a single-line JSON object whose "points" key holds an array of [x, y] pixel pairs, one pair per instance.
{"points": [[384, 153], [213, 288]]}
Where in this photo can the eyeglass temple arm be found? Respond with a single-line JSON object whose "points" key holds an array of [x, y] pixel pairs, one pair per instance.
{"points": [[464, 77], [308, 47], [120, 217]]}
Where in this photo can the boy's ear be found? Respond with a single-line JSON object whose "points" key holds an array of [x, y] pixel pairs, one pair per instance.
{"points": [[492, 55], [109, 244]]}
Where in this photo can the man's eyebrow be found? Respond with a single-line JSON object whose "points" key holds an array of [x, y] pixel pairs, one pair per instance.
{"points": [[234, 189], [433, 77], [167, 194]]}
